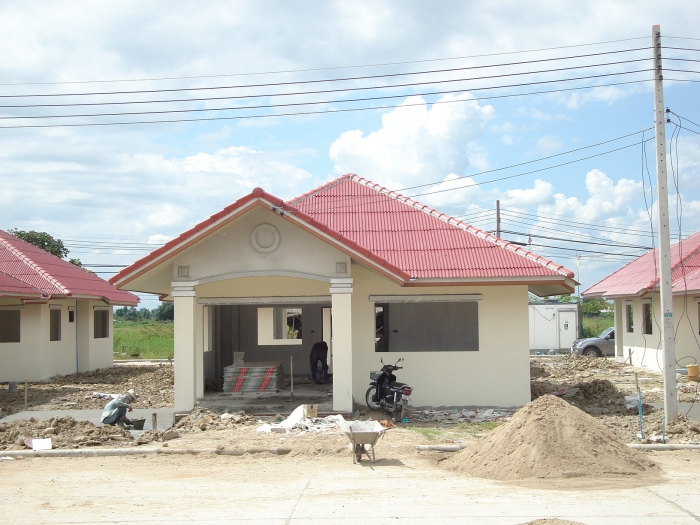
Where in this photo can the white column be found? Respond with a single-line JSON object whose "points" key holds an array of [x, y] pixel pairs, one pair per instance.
{"points": [[201, 335], [620, 327], [185, 299], [341, 294]]}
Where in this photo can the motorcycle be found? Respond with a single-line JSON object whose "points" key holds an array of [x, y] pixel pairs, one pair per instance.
{"points": [[386, 393]]}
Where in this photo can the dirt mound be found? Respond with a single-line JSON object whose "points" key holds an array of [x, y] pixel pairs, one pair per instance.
{"points": [[597, 396], [548, 438], [202, 419], [65, 432], [153, 385]]}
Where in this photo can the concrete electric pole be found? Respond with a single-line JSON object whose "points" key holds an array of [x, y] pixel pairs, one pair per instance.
{"points": [[498, 219], [665, 284]]}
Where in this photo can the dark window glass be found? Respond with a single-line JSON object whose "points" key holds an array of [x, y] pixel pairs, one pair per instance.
{"points": [[55, 325], [9, 326], [101, 324]]}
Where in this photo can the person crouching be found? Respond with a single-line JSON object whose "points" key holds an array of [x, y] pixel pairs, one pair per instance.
{"points": [[319, 352], [115, 411]]}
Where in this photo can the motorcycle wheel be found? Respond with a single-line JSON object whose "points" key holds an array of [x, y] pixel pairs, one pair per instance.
{"points": [[372, 405], [398, 411]]}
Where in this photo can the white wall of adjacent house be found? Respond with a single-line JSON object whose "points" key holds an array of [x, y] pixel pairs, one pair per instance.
{"points": [[643, 349], [37, 357]]}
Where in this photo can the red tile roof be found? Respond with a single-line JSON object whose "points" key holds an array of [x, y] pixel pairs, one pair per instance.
{"points": [[405, 238], [12, 287], [52, 277], [641, 275], [421, 241]]}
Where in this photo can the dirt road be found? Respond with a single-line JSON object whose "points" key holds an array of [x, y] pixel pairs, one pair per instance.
{"points": [[264, 489]]}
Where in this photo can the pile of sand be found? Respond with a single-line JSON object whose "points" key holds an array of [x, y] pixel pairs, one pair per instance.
{"points": [[548, 438]]}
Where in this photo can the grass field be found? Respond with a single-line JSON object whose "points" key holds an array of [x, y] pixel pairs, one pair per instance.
{"points": [[592, 326], [148, 339]]}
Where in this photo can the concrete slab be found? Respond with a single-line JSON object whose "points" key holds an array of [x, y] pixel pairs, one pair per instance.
{"points": [[165, 416], [689, 410]]}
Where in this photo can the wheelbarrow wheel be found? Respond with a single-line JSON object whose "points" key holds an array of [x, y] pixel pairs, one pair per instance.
{"points": [[357, 455]]}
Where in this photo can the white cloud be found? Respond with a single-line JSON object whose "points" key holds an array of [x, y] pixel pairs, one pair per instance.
{"points": [[549, 144], [528, 198], [415, 143], [451, 192], [159, 238]]}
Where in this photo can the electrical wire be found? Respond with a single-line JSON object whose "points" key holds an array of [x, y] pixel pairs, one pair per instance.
{"points": [[345, 79]]}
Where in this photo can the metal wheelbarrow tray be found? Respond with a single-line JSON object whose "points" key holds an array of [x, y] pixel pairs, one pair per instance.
{"points": [[361, 433]]}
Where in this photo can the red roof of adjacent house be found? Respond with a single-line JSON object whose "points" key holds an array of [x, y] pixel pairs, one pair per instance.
{"points": [[642, 275], [11, 286], [406, 238], [52, 277]]}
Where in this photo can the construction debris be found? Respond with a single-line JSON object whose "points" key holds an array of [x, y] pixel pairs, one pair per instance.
{"points": [[459, 415], [65, 432]]}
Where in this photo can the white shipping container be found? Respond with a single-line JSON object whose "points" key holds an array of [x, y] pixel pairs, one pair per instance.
{"points": [[553, 326]]}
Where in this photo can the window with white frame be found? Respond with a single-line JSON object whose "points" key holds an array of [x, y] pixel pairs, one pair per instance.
{"points": [[101, 329], [55, 324], [280, 325], [629, 317], [647, 319]]}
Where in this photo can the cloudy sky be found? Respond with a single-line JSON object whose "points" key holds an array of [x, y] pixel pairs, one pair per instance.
{"points": [[458, 104]]}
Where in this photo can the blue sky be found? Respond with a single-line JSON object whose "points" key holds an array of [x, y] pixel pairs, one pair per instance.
{"points": [[97, 187]]}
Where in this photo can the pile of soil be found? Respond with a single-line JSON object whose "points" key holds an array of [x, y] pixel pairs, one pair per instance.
{"points": [[65, 432], [549, 438], [153, 385], [570, 365], [627, 427], [202, 419], [597, 396]]}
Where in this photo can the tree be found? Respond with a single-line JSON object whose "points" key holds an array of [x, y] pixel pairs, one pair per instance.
{"points": [[42, 240], [164, 312]]}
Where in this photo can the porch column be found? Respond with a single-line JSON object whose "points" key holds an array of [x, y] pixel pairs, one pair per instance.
{"points": [[185, 298], [341, 312], [620, 328]]}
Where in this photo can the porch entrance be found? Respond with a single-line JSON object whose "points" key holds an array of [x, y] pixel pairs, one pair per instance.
{"points": [[266, 335]]}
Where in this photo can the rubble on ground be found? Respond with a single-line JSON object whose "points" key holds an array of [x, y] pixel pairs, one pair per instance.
{"points": [[65, 433], [202, 419], [153, 385], [454, 416], [549, 438]]}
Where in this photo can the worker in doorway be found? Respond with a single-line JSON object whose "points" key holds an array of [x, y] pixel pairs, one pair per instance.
{"points": [[319, 352], [115, 411]]}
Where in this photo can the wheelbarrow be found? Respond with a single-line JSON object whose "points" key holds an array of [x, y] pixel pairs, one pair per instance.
{"points": [[360, 434]]}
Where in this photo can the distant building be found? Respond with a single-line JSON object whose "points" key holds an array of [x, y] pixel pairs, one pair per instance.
{"points": [[55, 318], [635, 290], [553, 326]]}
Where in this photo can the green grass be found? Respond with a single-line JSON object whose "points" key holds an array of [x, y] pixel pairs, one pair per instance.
{"points": [[462, 430], [148, 339], [592, 326]]}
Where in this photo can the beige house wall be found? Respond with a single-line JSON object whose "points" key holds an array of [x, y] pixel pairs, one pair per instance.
{"points": [[36, 358], [498, 374], [643, 347]]}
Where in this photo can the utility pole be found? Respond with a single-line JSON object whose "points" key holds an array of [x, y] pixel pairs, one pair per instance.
{"points": [[498, 219], [665, 285]]}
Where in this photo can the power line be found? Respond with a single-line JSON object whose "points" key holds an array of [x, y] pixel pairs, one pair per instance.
{"points": [[325, 68], [299, 82], [621, 245], [330, 111]]}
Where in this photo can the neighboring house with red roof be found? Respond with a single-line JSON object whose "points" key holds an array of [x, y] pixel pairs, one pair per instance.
{"points": [[55, 318], [387, 276], [635, 290]]}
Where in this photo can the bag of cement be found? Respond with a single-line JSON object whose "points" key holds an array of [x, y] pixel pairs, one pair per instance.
{"points": [[631, 401]]}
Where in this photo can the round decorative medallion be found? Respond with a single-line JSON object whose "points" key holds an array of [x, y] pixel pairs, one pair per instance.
{"points": [[265, 238]]}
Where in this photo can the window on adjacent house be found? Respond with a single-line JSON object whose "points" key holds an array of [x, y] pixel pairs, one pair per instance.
{"points": [[427, 327], [9, 326], [647, 319], [279, 326], [54, 325], [101, 324], [630, 317]]}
